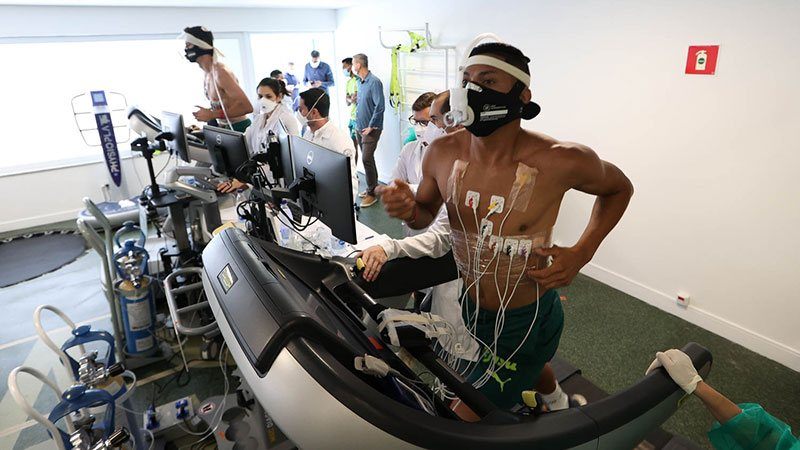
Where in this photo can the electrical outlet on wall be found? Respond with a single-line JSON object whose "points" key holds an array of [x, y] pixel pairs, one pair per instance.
{"points": [[683, 299]]}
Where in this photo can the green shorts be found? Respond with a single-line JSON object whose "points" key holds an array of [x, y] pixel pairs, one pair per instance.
{"points": [[242, 125], [521, 373]]}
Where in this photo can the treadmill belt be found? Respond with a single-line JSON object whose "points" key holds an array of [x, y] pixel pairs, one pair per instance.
{"points": [[563, 369]]}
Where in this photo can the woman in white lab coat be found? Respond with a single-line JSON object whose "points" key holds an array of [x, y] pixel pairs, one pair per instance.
{"points": [[272, 111], [271, 93]]}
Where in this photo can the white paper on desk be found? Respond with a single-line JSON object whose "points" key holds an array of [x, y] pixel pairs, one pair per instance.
{"points": [[367, 237], [365, 244]]}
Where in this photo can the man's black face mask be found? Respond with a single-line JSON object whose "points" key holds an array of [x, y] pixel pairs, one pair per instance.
{"points": [[491, 109], [194, 52]]}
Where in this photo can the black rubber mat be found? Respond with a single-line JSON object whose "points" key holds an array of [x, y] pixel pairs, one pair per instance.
{"points": [[28, 257]]}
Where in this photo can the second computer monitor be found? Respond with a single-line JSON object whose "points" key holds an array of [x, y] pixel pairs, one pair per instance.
{"points": [[332, 198], [228, 149], [286, 155], [173, 123]]}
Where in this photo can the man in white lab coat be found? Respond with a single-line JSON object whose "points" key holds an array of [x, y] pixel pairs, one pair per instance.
{"points": [[409, 163]]}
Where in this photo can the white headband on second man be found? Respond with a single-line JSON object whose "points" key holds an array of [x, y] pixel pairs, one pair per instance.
{"points": [[499, 64], [200, 43]]}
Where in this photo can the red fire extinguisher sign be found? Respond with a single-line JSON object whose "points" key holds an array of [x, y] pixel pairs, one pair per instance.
{"points": [[702, 59]]}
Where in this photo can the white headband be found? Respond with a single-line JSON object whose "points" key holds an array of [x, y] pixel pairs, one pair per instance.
{"points": [[200, 43], [498, 64]]}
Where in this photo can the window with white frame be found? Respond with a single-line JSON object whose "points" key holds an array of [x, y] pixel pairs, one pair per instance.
{"points": [[40, 79]]}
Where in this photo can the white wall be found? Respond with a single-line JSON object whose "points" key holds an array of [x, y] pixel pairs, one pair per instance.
{"points": [[712, 158], [48, 196], [52, 195]]}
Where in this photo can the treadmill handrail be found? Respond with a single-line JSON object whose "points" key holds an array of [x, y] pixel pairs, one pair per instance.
{"points": [[105, 248], [562, 429], [201, 194], [172, 303], [182, 171], [393, 280], [173, 182], [617, 409], [98, 215]]}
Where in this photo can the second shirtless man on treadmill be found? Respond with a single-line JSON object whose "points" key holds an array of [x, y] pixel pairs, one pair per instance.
{"points": [[502, 186]]}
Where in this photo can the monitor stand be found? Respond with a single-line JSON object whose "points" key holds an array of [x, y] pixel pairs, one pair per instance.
{"points": [[175, 201]]}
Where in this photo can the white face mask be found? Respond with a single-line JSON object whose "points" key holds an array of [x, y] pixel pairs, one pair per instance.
{"points": [[432, 132], [304, 119], [314, 64], [346, 73], [301, 118], [419, 130], [267, 105]]}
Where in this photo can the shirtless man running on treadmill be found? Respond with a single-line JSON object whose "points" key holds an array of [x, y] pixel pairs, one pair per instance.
{"points": [[502, 250], [229, 103]]}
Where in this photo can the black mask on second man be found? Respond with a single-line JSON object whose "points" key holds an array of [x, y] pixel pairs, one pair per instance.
{"points": [[195, 52]]}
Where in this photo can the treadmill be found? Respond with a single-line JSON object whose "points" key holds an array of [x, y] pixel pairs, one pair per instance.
{"points": [[294, 323]]}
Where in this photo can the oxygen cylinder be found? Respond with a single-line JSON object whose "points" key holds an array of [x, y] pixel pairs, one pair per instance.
{"points": [[138, 316], [136, 299]]}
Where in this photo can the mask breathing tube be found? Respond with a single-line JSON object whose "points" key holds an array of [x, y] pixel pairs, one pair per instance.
{"points": [[460, 113]]}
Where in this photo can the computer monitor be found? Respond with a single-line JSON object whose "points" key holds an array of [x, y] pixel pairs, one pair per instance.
{"points": [[276, 153], [199, 153], [322, 177], [228, 149], [285, 158], [173, 123]]}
